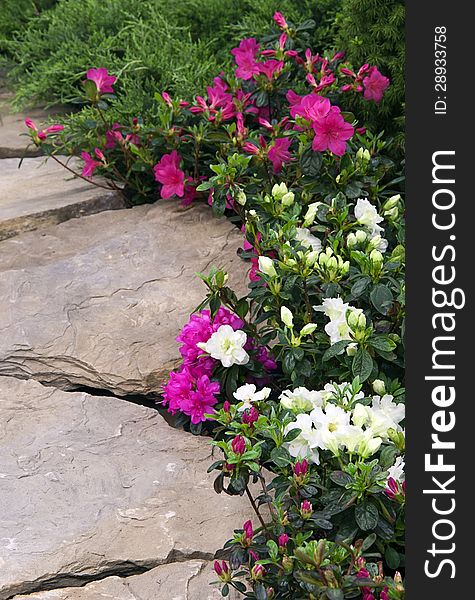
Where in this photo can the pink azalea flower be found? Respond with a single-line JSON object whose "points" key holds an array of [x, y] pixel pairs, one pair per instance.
{"points": [[40, 134], [270, 68], [310, 107], [332, 133], [102, 79], [193, 395], [113, 136], [245, 57], [279, 153], [169, 174], [90, 164], [375, 85]]}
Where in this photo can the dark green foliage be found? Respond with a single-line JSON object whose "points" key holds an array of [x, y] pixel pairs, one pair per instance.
{"points": [[373, 31], [153, 45]]}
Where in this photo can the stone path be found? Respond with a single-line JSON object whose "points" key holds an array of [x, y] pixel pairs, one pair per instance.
{"points": [[100, 497]]}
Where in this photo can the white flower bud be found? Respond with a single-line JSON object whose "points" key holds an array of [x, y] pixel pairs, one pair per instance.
{"points": [[266, 266], [308, 329], [379, 387], [311, 213], [376, 258], [351, 349], [241, 198], [361, 236], [287, 317], [351, 240], [392, 202], [279, 190], [288, 199]]}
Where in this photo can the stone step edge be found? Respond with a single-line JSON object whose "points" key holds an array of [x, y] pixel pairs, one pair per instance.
{"points": [[107, 201]]}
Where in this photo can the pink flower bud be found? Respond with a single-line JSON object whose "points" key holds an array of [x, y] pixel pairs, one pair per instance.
{"points": [[238, 445], [306, 509], [250, 416], [99, 154], [283, 539], [250, 148], [280, 20], [222, 571], [282, 40], [248, 531], [361, 130], [226, 406], [54, 129], [301, 468], [257, 572], [31, 125], [167, 98]]}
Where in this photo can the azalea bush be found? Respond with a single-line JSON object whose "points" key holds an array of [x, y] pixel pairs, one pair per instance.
{"points": [[152, 44], [300, 380]]}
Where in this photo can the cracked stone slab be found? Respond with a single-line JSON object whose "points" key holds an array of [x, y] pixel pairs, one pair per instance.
{"points": [[99, 301], [97, 486], [188, 580], [41, 193]]}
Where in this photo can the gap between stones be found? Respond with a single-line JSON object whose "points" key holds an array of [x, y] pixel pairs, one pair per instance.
{"points": [[121, 569]]}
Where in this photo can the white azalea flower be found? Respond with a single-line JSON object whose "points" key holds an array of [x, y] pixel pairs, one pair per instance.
{"points": [[330, 424], [378, 243], [307, 239], [369, 443], [351, 437], [334, 308], [301, 399], [227, 346], [367, 215], [305, 444], [397, 470], [248, 393]]}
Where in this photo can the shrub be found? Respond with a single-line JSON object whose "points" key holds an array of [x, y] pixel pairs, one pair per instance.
{"points": [[14, 16], [151, 44], [300, 380]]}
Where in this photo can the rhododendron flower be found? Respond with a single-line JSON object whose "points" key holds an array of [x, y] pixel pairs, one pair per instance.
{"points": [[270, 68], [332, 133], [279, 153], [90, 164], [194, 396], [375, 85], [102, 79], [245, 57], [169, 174], [247, 393], [367, 215], [311, 107], [227, 346]]}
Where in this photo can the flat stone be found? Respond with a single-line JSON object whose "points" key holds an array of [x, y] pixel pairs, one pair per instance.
{"points": [[42, 193], [98, 486], [12, 125], [188, 580], [99, 301]]}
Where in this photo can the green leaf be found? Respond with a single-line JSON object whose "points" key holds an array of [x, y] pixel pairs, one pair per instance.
{"points": [[341, 478], [280, 456], [260, 591], [368, 541], [383, 343], [288, 364], [388, 456], [334, 594], [392, 558], [311, 162], [335, 349], [360, 286], [366, 515], [362, 365], [381, 298], [273, 549]]}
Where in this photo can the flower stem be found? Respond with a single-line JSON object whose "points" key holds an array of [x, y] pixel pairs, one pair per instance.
{"points": [[256, 510]]}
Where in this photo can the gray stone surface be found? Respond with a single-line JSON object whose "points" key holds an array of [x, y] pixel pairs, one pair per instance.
{"points": [[96, 486], [42, 193], [99, 301], [188, 580]]}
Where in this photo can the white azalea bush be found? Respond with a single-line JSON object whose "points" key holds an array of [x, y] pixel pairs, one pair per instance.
{"points": [[300, 383]]}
